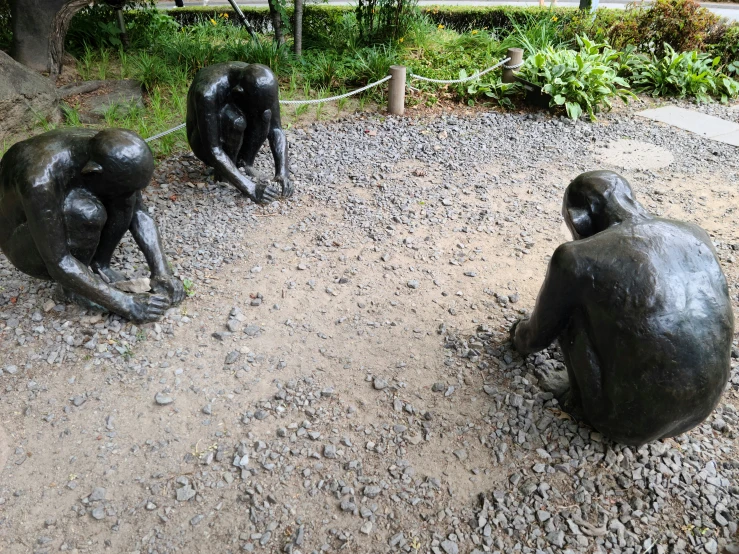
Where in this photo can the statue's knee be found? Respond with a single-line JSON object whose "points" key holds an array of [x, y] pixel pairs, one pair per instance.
{"points": [[233, 120], [83, 214]]}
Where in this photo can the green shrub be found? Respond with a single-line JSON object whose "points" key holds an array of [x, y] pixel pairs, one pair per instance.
{"points": [[724, 42], [97, 26], [581, 81], [465, 18], [683, 24], [258, 18], [339, 34], [684, 74], [380, 21]]}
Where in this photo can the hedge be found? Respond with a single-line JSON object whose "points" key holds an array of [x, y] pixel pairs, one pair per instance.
{"points": [[457, 18], [320, 20]]}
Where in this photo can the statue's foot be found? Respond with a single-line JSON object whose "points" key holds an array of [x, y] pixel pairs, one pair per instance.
{"points": [[64, 296], [110, 275]]}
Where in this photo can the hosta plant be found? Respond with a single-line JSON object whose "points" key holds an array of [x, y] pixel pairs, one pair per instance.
{"points": [[683, 74], [581, 81]]}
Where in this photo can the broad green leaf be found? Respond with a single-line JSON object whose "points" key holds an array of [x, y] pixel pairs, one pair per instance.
{"points": [[574, 111]]}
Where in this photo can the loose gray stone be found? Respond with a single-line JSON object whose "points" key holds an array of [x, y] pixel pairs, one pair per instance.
{"points": [[372, 491], [163, 399], [450, 547], [185, 493], [379, 383], [98, 493]]}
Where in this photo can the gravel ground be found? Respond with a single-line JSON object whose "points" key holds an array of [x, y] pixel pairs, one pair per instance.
{"points": [[341, 376]]}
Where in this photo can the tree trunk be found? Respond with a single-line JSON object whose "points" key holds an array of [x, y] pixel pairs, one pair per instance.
{"points": [[276, 18], [59, 31], [298, 28], [39, 28]]}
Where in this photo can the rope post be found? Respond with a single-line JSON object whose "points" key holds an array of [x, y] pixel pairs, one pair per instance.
{"points": [[396, 90], [516, 59]]}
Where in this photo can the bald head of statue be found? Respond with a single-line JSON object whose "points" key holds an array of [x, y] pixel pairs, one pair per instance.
{"points": [[119, 160], [597, 200]]}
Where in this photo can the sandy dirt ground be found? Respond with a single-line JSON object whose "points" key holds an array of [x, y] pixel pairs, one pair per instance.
{"points": [[316, 354]]}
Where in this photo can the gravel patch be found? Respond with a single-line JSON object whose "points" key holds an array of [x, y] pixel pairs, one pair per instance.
{"points": [[341, 377]]}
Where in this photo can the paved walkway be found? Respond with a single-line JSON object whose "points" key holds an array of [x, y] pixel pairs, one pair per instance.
{"points": [[707, 126], [730, 11]]}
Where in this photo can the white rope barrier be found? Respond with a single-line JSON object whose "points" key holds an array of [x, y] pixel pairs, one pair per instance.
{"points": [[165, 133], [367, 87], [513, 66], [470, 78], [332, 98]]}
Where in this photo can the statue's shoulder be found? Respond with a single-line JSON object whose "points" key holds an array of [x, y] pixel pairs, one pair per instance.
{"points": [[218, 70], [681, 229], [33, 160]]}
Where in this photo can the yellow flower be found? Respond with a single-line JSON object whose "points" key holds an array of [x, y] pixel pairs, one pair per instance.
{"points": [[213, 21], [401, 39], [441, 26], [474, 31], [224, 15], [555, 18]]}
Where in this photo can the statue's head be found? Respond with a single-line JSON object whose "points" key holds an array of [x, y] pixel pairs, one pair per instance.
{"points": [[120, 160], [252, 81], [597, 200]]}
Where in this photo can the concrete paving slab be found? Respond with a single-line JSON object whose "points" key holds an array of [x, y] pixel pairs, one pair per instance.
{"points": [[708, 126], [695, 122], [730, 138]]}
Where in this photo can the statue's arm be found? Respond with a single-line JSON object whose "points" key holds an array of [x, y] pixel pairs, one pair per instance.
{"points": [[208, 121], [554, 304], [42, 206], [146, 234], [278, 144]]}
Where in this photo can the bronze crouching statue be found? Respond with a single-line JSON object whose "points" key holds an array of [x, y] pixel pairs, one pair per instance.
{"points": [[232, 108], [67, 197], [642, 313]]}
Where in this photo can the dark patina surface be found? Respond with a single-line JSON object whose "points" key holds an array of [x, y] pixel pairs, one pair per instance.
{"points": [[232, 108], [67, 198], [641, 310]]}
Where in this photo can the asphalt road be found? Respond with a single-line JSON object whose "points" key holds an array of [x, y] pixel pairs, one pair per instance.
{"points": [[730, 11]]}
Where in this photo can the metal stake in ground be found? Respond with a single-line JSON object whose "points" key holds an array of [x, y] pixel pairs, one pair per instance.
{"points": [[511, 68], [242, 17], [396, 90]]}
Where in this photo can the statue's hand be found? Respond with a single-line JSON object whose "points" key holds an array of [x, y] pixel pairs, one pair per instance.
{"points": [[285, 184], [148, 307], [267, 193], [169, 286]]}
